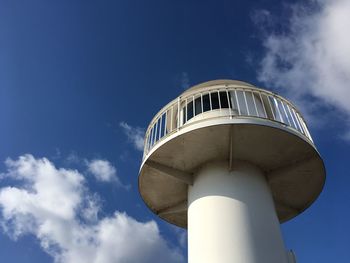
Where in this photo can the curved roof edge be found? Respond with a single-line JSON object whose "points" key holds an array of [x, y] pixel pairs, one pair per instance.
{"points": [[218, 82]]}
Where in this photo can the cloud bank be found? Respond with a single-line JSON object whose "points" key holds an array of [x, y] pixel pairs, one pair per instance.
{"points": [[54, 205], [311, 57]]}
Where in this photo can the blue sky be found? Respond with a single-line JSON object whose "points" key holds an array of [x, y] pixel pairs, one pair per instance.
{"points": [[81, 80]]}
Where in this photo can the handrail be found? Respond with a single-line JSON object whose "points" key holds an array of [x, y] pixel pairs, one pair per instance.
{"points": [[231, 101]]}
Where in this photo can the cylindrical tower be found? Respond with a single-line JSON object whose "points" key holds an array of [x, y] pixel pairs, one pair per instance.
{"points": [[230, 161]]}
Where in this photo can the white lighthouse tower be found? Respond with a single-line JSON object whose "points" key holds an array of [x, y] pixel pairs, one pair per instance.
{"points": [[230, 162]]}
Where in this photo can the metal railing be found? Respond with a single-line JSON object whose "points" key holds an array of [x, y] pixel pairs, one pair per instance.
{"points": [[226, 101]]}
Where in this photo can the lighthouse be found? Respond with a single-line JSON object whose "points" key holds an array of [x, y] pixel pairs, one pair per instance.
{"points": [[230, 162]]}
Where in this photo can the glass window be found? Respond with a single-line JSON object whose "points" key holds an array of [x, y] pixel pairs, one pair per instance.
{"points": [[233, 102], [274, 108], [259, 104], [156, 131], [190, 110], [286, 113], [223, 100], [241, 103], [206, 103], [300, 122], [214, 100], [187, 112], [296, 120], [251, 104], [160, 127], [281, 112], [152, 137], [268, 107], [290, 116], [197, 106], [163, 125]]}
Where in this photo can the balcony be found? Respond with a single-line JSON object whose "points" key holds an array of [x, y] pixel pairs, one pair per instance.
{"points": [[237, 100]]}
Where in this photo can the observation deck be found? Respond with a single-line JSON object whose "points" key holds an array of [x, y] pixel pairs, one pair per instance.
{"points": [[230, 121]]}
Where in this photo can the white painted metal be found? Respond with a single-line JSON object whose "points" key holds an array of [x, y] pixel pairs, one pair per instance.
{"points": [[211, 105], [231, 217], [181, 116]]}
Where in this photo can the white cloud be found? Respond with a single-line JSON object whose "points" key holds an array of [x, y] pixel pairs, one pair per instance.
{"points": [[136, 242], [102, 170], [51, 204], [312, 57], [134, 134], [181, 235]]}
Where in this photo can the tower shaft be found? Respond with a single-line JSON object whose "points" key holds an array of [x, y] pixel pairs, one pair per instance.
{"points": [[232, 218]]}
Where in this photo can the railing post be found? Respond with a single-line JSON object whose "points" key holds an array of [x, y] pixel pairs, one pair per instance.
{"points": [[178, 113], [284, 113]]}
